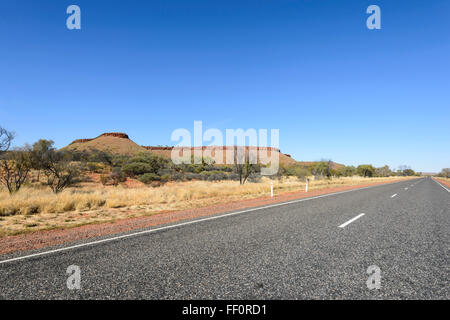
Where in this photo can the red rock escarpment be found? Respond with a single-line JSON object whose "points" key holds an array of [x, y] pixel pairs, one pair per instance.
{"points": [[107, 134]]}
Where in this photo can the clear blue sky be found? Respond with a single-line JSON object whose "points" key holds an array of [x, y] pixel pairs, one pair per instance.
{"points": [[310, 68]]}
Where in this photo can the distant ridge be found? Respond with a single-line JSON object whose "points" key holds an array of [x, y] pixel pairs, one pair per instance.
{"points": [[167, 151], [120, 143]]}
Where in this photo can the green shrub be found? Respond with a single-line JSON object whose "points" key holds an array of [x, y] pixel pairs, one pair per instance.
{"points": [[193, 176], [254, 177], [94, 167], [176, 176], [136, 168], [119, 160], [100, 156], [321, 169], [155, 161], [217, 176], [346, 171], [145, 163], [365, 170], [166, 177], [149, 178]]}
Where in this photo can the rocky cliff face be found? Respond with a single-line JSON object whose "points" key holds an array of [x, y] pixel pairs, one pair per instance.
{"points": [[115, 134], [107, 134]]}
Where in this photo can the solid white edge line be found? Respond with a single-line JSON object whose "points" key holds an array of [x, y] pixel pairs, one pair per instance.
{"points": [[184, 224], [441, 185], [351, 220], [394, 195]]}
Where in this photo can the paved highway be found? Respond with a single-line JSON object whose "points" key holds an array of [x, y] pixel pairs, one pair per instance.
{"points": [[315, 249]]}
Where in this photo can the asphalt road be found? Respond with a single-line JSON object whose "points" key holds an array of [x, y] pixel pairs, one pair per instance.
{"points": [[302, 250]]}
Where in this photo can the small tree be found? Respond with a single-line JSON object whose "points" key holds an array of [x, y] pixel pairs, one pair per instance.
{"points": [[244, 164], [345, 171], [320, 169], [365, 170], [6, 138], [408, 172], [59, 170], [445, 173], [383, 171], [39, 154], [14, 168], [301, 173]]}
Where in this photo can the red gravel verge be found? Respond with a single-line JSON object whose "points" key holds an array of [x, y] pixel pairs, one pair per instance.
{"points": [[41, 239], [444, 182]]}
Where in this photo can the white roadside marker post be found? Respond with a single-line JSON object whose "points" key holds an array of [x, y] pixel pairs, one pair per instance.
{"points": [[271, 189], [306, 188]]}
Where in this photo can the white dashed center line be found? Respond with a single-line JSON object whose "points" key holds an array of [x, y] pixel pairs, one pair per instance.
{"points": [[351, 220], [393, 195]]}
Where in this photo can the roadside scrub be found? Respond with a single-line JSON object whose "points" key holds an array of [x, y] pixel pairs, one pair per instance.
{"points": [[32, 209]]}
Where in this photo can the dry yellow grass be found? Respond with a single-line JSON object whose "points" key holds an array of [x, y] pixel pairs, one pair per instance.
{"points": [[442, 178], [36, 209]]}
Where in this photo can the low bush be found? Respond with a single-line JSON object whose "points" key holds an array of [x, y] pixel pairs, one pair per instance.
{"points": [[217, 176], [254, 178], [165, 178], [94, 167], [136, 168], [148, 178], [145, 163], [192, 176]]}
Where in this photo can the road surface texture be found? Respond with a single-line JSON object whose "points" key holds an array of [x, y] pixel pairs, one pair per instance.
{"points": [[315, 249]]}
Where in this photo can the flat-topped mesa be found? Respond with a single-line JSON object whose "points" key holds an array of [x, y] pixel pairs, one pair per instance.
{"points": [[151, 148], [107, 134], [115, 134]]}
